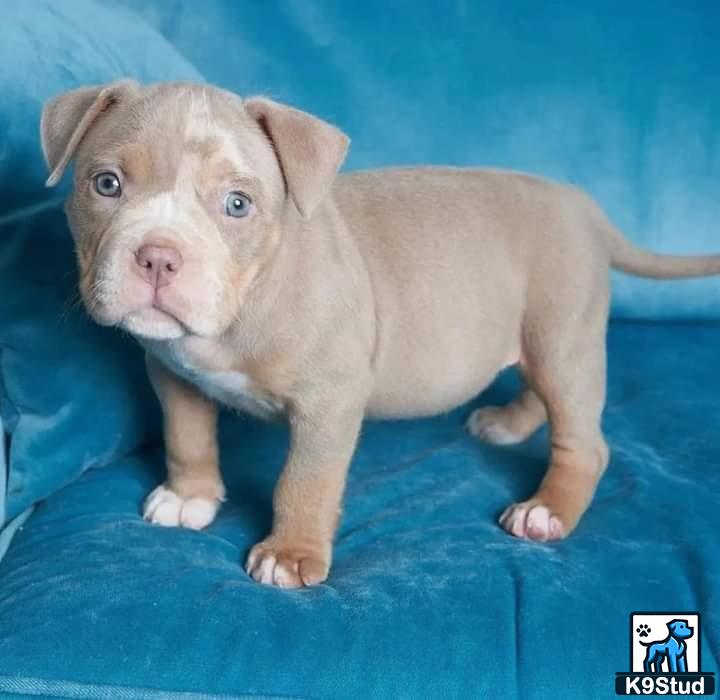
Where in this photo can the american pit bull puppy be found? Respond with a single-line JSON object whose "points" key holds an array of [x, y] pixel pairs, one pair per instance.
{"points": [[217, 232]]}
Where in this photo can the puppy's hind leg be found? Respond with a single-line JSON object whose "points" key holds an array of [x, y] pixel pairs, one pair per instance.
{"points": [[564, 354], [510, 424]]}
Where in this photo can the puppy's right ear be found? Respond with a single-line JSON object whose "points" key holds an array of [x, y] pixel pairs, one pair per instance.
{"points": [[68, 117], [309, 150]]}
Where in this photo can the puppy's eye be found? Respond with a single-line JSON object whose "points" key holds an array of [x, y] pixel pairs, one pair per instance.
{"points": [[107, 184], [237, 204]]}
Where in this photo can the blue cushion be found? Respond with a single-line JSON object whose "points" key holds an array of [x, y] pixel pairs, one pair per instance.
{"points": [[427, 598], [72, 395], [622, 99]]}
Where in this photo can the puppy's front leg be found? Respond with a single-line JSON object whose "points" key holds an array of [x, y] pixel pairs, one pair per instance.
{"points": [[307, 498], [193, 489]]}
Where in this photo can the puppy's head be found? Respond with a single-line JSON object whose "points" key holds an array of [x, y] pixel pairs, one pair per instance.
{"points": [[182, 194]]}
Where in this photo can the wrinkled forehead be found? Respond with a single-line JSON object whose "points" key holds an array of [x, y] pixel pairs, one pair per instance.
{"points": [[191, 137]]}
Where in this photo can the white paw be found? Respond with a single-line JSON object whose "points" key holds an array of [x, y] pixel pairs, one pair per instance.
{"points": [[286, 567], [532, 521], [164, 507], [266, 569], [487, 425]]}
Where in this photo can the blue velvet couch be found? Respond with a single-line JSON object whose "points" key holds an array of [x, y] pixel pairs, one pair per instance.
{"points": [[427, 598]]}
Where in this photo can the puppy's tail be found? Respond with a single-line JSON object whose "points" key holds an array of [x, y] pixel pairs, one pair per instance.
{"points": [[627, 257]]}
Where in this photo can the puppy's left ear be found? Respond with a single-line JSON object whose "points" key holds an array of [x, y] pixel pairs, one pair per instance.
{"points": [[68, 117], [310, 150]]}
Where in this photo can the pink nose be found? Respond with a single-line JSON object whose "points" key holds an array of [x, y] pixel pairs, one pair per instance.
{"points": [[158, 264]]}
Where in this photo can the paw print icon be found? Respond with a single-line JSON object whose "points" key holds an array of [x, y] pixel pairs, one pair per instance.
{"points": [[643, 630]]}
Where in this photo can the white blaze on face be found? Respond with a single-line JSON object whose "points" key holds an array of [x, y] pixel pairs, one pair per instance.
{"points": [[172, 216], [164, 214], [197, 123]]}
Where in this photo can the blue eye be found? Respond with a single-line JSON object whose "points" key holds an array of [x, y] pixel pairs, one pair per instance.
{"points": [[237, 204], [107, 184]]}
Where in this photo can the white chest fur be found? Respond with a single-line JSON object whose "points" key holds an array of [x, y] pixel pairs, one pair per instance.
{"points": [[233, 389]]}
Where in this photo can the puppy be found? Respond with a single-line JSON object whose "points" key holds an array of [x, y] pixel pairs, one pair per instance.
{"points": [[217, 232]]}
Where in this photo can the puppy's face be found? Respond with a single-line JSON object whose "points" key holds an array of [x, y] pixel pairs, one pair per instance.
{"points": [[176, 207], [182, 194]]}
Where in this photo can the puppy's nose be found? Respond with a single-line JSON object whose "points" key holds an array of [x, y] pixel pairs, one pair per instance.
{"points": [[158, 264]]}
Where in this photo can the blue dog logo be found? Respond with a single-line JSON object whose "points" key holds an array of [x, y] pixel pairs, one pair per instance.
{"points": [[669, 666], [673, 649]]}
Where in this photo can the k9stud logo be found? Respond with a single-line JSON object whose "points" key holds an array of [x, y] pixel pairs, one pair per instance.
{"points": [[665, 656]]}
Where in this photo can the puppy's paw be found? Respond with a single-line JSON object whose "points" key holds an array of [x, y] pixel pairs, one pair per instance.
{"points": [[281, 564], [492, 424], [165, 507], [532, 521]]}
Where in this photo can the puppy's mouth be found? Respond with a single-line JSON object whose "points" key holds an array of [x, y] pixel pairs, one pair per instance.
{"points": [[165, 317], [153, 312], [154, 322], [144, 315]]}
